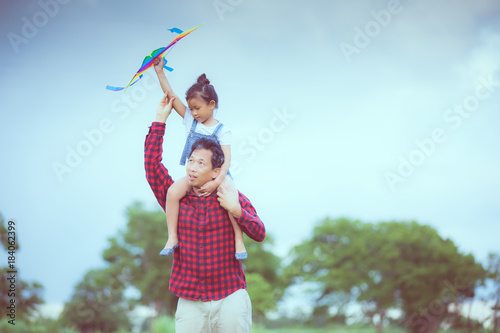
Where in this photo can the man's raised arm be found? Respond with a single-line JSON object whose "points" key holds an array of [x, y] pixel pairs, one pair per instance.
{"points": [[156, 173]]}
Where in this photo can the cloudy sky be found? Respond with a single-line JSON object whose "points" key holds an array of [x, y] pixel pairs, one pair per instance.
{"points": [[371, 110]]}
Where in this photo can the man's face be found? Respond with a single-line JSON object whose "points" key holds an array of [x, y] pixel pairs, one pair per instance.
{"points": [[199, 168]]}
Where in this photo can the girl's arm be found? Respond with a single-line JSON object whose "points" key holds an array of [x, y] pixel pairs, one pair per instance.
{"points": [[178, 106], [225, 166], [212, 185]]}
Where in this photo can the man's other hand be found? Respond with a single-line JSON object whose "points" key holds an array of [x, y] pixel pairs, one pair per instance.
{"points": [[229, 200]]}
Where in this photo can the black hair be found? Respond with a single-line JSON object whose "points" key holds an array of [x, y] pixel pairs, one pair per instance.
{"points": [[214, 147], [204, 90]]}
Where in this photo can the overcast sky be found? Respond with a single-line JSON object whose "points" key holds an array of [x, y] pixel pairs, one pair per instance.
{"points": [[371, 110]]}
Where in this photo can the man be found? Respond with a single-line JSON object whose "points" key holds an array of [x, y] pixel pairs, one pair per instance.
{"points": [[208, 280]]}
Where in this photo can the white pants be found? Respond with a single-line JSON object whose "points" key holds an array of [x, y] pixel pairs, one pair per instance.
{"points": [[232, 314]]}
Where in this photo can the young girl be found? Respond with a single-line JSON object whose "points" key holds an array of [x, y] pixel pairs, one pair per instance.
{"points": [[199, 121]]}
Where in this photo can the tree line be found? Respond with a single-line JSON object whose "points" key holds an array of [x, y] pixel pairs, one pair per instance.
{"points": [[381, 267]]}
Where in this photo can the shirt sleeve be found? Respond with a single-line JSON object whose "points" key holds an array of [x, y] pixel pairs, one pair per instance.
{"points": [[249, 221], [156, 173]]}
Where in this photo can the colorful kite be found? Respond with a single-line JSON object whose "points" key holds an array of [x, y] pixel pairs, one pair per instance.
{"points": [[149, 60]]}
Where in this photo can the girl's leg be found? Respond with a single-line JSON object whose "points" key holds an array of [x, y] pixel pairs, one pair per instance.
{"points": [[174, 194], [241, 252]]}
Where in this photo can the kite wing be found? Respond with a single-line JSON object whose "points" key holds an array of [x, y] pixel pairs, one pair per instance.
{"points": [[148, 61]]}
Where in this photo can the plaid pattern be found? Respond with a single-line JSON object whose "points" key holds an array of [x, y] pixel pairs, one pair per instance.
{"points": [[204, 267]]}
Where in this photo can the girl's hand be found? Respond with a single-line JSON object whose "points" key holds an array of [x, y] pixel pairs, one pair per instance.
{"points": [[158, 64], [208, 188], [164, 108]]}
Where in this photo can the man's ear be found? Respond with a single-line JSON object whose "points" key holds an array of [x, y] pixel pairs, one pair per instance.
{"points": [[215, 173]]}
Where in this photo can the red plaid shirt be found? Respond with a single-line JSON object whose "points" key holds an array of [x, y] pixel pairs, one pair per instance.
{"points": [[204, 266]]}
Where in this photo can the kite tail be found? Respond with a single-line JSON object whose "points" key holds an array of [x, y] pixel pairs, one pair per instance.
{"points": [[114, 88], [176, 30], [122, 88], [166, 67]]}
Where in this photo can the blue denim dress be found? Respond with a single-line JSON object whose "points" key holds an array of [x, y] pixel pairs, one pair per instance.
{"points": [[193, 136]]}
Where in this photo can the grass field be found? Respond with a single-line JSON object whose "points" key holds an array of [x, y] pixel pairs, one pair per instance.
{"points": [[318, 330], [166, 324]]}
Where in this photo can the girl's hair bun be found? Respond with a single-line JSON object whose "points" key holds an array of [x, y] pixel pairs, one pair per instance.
{"points": [[204, 90], [203, 79]]}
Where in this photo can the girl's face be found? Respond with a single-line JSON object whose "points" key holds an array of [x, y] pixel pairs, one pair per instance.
{"points": [[201, 111]]}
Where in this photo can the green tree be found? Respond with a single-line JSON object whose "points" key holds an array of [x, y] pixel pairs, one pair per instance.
{"points": [[333, 262], [387, 265], [265, 282], [433, 274], [493, 275], [459, 323], [97, 304], [18, 298], [261, 295], [133, 258]]}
